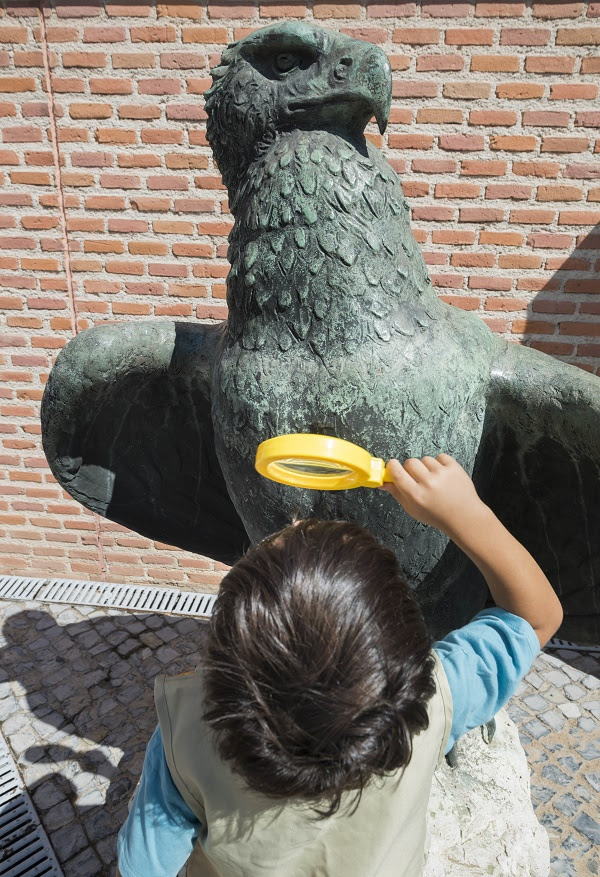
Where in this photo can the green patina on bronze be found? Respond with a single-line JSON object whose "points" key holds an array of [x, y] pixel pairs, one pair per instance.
{"points": [[333, 328]]}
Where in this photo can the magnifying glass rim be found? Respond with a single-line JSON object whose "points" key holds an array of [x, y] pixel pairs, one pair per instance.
{"points": [[309, 446]]}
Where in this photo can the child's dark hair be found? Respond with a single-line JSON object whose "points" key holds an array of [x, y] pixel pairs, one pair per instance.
{"points": [[319, 666]]}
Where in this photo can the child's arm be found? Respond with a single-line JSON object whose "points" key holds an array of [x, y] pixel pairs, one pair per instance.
{"points": [[440, 493]]}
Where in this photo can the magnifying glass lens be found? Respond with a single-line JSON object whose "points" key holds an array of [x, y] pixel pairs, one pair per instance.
{"points": [[313, 467]]}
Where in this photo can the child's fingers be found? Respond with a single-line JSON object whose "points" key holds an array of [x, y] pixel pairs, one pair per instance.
{"points": [[416, 469], [445, 459], [431, 464]]}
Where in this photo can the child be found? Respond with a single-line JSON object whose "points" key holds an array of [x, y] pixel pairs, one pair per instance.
{"points": [[306, 743]]}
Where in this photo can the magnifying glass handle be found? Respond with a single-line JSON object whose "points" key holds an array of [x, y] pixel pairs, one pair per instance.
{"points": [[386, 476]]}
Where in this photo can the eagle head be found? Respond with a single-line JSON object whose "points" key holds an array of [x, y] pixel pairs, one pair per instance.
{"points": [[287, 76]]}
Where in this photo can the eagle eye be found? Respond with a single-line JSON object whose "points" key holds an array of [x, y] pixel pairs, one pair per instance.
{"points": [[285, 61]]}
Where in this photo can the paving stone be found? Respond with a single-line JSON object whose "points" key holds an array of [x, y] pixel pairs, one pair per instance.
{"points": [[68, 841], [588, 827], [570, 710], [536, 702], [86, 864], [590, 751]]}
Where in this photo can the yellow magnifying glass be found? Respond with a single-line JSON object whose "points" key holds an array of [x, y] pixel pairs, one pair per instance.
{"points": [[320, 462]]}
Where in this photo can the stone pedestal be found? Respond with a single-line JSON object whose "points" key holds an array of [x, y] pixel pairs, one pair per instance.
{"points": [[481, 820]]}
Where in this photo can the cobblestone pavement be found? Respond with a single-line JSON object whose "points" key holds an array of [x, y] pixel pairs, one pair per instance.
{"points": [[76, 708]]}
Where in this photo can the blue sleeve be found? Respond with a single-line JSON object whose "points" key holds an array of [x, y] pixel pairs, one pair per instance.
{"points": [[161, 830], [484, 662]]}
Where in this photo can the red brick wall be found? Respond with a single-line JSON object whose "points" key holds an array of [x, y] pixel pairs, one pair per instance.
{"points": [[494, 129]]}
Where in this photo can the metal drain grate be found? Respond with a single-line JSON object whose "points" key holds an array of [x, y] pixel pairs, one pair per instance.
{"points": [[567, 646], [24, 847], [137, 597]]}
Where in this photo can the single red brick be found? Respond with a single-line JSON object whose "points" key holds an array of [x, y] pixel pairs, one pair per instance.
{"points": [[457, 190], [411, 141], [397, 62], [433, 165], [416, 36], [120, 266], [520, 260], [501, 238], [558, 10], [464, 302], [590, 65], [111, 86], [439, 116], [535, 216], [573, 91], [155, 33], [524, 36], [499, 284], [120, 181], [129, 160], [201, 251], [150, 203], [547, 118], [400, 116], [552, 307], [588, 119], [481, 214], [147, 248], [494, 63], [390, 10], [414, 89], [456, 238], [433, 9], [182, 60], [585, 286], [104, 34], [549, 240], [90, 111], [580, 328], [433, 213], [508, 305], [115, 135], [22, 134], [565, 144], [163, 135], [482, 168], [177, 309], [159, 86], [567, 263], [548, 169], [583, 171], [84, 59], [519, 90], [91, 159], [467, 90], [579, 217], [473, 260], [132, 60], [515, 191], [559, 193], [68, 85], [439, 62], [513, 143], [205, 35], [578, 36], [461, 142], [499, 10], [549, 64], [505, 118], [186, 112], [469, 36], [166, 269]]}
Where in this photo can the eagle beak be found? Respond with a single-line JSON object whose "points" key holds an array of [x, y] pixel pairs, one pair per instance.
{"points": [[375, 76]]}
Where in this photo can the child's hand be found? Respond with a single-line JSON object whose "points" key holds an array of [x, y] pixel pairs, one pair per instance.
{"points": [[437, 491]]}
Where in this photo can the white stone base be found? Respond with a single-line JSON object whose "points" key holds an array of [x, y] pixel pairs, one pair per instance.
{"points": [[480, 819]]}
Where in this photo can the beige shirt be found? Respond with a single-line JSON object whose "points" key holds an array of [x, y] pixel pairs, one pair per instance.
{"points": [[246, 834]]}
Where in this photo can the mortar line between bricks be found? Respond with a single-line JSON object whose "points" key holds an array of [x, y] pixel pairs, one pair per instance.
{"points": [[65, 234]]}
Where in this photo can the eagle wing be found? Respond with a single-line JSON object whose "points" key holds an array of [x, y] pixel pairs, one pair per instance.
{"points": [[544, 451], [127, 431]]}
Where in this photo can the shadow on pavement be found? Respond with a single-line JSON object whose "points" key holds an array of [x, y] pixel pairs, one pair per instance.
{"points": [[76, 706]]}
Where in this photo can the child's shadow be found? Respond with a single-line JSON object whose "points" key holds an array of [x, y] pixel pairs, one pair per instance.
{"points": [[77, 711]]}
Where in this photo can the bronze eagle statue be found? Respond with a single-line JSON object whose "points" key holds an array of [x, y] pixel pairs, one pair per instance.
{"points": [[333, 327]]}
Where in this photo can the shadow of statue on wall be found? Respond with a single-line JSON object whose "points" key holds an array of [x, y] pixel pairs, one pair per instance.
{"points": [[567, 307]]}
